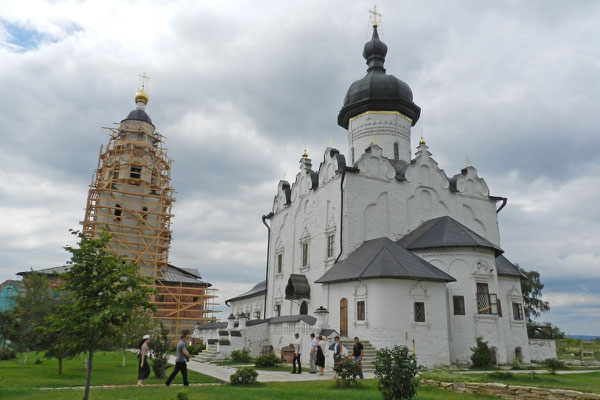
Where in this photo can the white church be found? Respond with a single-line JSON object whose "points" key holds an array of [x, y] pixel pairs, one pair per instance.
{"points": [[382, 245]]}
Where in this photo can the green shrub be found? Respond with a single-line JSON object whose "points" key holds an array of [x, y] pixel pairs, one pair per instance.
{"points": [[195, 350], [554, 364], [159, 349], [268, 360], [347, 372], [516, 365], [241, 356], [396, 369], [183, 394], [244, 376], [7, 353], [500, 375], [38, 361], [482, 354]]}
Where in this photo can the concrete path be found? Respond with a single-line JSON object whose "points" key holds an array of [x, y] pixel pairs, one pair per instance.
{"points": [[224, 372]]}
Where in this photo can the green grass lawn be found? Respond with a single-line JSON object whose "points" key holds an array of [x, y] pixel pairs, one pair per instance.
{"points": [[317, 390], [107, 371], [588, 382]]}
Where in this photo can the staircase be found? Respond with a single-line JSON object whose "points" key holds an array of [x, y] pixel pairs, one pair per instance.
{"points": [[208, 354], [368, 355]]}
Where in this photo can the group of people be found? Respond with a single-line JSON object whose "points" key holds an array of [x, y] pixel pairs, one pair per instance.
{"points": [[317, 353], [183, 356]]}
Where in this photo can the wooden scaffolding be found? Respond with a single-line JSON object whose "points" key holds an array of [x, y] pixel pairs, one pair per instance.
{"points": [[131, 197]]}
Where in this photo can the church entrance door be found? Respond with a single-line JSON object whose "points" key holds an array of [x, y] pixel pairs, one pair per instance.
{"points": [[344, 318]]}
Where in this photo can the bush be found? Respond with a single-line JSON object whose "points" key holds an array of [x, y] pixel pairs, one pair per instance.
{"points": [[500, 375], [516, 365], [183, 394], [195, 350], [241, 356], [396, 369], [244, 376], [38, 361], [268, 360], [347, 372], [7, 353], [159, 348], [482, 354], [554, 364]]}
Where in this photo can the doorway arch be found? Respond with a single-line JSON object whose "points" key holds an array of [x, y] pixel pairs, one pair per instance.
{"points": [[304, 308]]}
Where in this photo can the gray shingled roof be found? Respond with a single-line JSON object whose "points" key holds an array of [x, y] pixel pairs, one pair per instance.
{"points": [[259, 288], [506, 268], [444, 232], [47, 271], [382, 258]]}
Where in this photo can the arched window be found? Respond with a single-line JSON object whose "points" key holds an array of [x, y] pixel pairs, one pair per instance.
{"points": [[304, 308], [396, 151], [118, 212], [518, 354], [145, 212]]}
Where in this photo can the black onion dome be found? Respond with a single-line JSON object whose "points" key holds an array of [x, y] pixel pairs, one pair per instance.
{"points": [[138, 115], [377, 91]]}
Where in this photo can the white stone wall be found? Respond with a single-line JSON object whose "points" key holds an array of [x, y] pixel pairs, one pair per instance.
{"points": [[515, 331], [390, 315], [542, 349], [248, 306], [385, 128]]}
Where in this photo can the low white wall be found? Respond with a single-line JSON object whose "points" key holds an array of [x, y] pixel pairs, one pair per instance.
{"points": [[542, 349]]}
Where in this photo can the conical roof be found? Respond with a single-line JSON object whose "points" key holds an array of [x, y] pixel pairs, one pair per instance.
{"points": [[445, 232]]}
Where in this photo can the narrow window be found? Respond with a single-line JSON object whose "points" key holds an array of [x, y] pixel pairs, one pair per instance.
{"points": [[195, 299], [419, 311], [279, 263], [304, 308], [304, 254], [330, 240], [396, 151], [353, 156], [145, 212], [161, 298], [136, 172], [277, 310], [517, 311], [459, 305], [360, 310], [483, 298], [115, 174], [499, 308], [118, 212]]}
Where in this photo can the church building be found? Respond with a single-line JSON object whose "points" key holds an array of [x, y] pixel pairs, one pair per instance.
{"points": [[383, 245]]}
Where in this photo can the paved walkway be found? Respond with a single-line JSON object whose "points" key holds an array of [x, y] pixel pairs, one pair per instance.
{"points": [[224, 372]]}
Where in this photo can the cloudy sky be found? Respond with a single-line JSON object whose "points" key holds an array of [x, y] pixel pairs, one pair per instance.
{"points": [[239, 89]]}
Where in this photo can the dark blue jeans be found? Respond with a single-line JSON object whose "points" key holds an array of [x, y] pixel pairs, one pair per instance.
{"points": [[360, 375], [179, 366], [296, 358]]}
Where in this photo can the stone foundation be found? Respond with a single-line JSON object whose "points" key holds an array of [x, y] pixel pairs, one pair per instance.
{"points": [[511, 391]]}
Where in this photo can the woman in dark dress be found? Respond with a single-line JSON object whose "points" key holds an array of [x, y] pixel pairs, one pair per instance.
{"points": [[143, 367], [320, 361]]}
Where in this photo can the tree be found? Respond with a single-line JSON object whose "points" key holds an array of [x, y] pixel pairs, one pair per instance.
{"points": [[159, 347], [544, 330], [531, 288], [105, 292], [396, 370], [132, 331], [482, 354]]}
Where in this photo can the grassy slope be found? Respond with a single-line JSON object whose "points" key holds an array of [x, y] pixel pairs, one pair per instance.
{"points": [[107, 371], [284, 390], [589, 382]]}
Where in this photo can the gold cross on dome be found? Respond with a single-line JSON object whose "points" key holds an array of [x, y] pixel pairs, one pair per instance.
{"points": [[144, 78], [375, 15], [468, 160]]}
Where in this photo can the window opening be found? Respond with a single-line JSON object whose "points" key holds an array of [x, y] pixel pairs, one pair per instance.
{"points": [[304, 308], [330, 242], [419, 311], [304, 254], [459, 305], [277, 309], [118, 212], [279, 263], [136, 172], [396, 151], [145, 212], [517, 311], [360, 310]]}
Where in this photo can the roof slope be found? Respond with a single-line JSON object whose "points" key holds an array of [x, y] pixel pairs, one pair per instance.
{"points": [[507, 268], [444, 232], [259, 288], [382, 258]]}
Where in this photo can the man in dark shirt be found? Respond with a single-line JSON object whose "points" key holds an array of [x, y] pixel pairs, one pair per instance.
{"points": [[357, 352], [180, 361]]}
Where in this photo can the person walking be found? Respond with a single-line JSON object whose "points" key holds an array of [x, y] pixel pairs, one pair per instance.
{"points": [[313, 354], [143, 367], [357, 352], [297, 352], [320, 361], [180, 361], [337, 353]]}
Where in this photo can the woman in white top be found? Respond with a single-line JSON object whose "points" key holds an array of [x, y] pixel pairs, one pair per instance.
{"points": [[143, 367]]}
